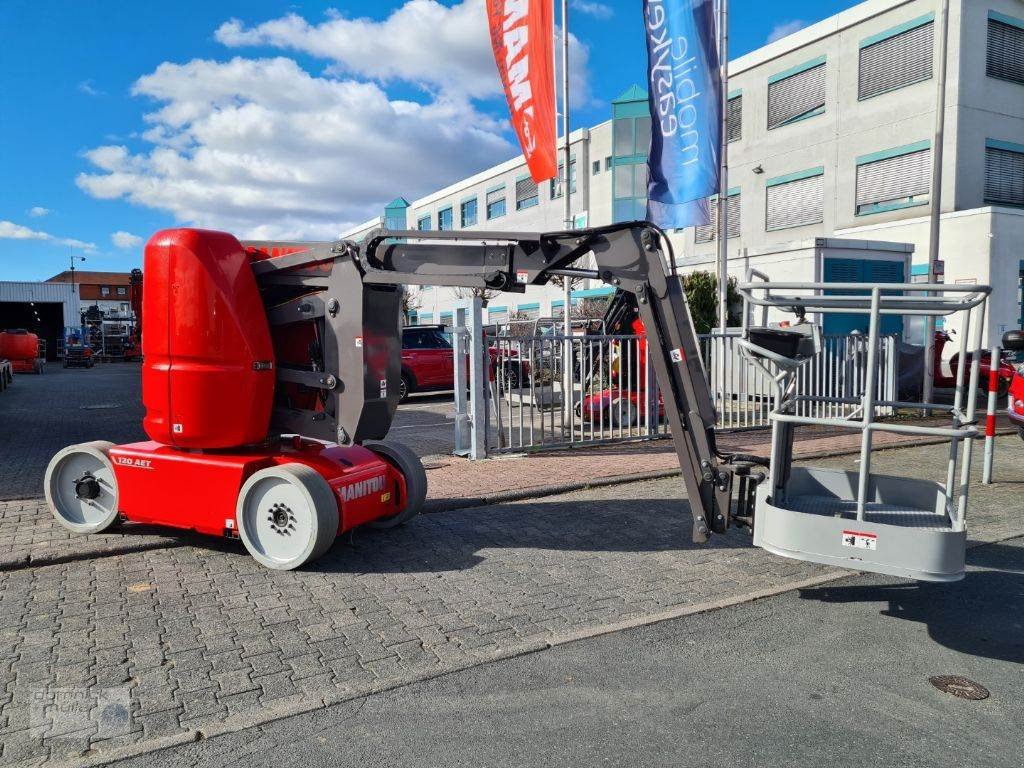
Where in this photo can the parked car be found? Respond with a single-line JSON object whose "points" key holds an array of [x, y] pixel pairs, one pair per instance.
{"points": [[1013, 343], [428, 362]]}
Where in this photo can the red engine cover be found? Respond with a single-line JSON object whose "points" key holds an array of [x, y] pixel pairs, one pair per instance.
{"points": [[208, 378], [18, 345]]}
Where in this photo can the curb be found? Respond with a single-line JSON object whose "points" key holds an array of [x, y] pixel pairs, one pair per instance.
{"points": [[307, 705], [540, 491]]}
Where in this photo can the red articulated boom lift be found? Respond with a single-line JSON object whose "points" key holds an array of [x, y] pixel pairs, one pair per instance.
{"points": [[271, 376]]}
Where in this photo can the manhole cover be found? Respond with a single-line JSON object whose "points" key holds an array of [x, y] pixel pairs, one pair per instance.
{"points": [[99, 407], [958, 686]]}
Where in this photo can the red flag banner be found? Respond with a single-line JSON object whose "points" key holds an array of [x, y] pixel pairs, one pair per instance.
{"points": [[522, 36]]}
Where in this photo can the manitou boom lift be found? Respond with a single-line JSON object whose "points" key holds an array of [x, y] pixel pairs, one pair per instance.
{"points": [[271, 371]]}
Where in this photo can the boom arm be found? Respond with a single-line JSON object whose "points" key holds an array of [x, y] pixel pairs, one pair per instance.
{"points": [[347, 285]]}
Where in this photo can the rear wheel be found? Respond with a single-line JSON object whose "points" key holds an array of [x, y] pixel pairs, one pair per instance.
{"points": [[287, 516], [622, 413], [403, 459], [1020, 431], [81, 487], [404, 388]]}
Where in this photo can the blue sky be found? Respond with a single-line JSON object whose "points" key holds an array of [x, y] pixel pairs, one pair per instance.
{"points": [[118, 119]]}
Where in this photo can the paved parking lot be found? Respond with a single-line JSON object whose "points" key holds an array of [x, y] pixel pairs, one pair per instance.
{"points": [[199, 639], [39, 415]]}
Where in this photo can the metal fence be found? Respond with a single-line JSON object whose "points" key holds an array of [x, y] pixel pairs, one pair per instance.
{"points": [[613, 394]]}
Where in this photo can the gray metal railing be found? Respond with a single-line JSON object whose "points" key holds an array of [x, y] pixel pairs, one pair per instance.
{"points": [[614, 396]]}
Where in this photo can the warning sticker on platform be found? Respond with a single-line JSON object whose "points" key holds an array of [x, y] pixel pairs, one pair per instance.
{"points": [[677, 355], [522, 277], [359, 341], [860, 540]]}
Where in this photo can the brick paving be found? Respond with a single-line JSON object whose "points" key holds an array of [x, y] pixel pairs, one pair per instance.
{"points": [[39, 415], [204, 639]]}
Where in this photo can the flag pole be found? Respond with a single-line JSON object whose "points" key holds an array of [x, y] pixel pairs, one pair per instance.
{"points": [[927, 394], [723, 191], [567, 216]]}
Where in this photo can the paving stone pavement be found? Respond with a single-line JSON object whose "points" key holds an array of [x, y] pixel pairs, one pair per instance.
{"points": [[39, 415], [200, 638]]}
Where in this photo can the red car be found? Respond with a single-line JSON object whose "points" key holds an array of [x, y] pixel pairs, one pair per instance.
{"points": [[428, 362]]}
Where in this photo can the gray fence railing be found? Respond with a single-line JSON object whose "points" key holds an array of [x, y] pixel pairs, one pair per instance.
{"points": [[614, 395]]}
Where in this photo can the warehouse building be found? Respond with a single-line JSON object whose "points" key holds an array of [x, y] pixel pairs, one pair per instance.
{"points": [[45, 309], [830, 135]]}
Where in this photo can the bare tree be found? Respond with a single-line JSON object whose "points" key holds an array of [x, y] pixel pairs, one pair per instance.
{"points": [[485, 294], [410, 303]]}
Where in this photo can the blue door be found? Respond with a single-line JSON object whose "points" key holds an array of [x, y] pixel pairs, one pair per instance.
{"points": [[861, 271]]}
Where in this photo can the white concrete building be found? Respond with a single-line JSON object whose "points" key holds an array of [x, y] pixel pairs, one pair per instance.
{"points": [[830, 136]]}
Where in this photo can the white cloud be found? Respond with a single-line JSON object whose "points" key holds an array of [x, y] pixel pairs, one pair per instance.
{"points": [[264, 149], [11, 231], [785, 28], [597, 10], [123, 239], [444, 49], [87, 87], [37, 211]]}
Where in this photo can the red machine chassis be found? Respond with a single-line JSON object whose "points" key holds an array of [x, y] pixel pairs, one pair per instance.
{"points": [[152, 480]]}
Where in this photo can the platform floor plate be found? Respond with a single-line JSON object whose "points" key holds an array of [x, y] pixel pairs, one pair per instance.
{"points": [[875, 512]]}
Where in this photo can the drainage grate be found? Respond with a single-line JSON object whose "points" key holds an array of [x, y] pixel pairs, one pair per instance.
{"points": [[99, 407], [958, 686]]}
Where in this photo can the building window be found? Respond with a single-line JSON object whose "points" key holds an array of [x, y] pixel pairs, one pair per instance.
{"points": [[734, 118], [608, 163], [527, 194], [1004, 173], [496, 203], [104, 290], [595, 168], [445, 219], [896, 178], [556, 183], [629, 180], [1005, 55], [528, 312], [896, 58], [122, 290], [795, 200], [497, 315], [796, 94], [707, 233], [423, 222], [467, 212]]}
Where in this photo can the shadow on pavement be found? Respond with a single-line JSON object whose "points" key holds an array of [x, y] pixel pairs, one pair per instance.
{"points": [[452, 541], [983, 615]]}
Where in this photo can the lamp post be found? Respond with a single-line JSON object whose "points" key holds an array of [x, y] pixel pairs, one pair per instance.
{"points": [[74, 291]]}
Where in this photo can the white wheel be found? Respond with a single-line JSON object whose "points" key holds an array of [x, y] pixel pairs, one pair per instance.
{"points": [[408, 463], [81, 487], [287, 516]]}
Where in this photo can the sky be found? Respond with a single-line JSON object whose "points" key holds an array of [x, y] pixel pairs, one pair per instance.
{"points": [[270, 119]]}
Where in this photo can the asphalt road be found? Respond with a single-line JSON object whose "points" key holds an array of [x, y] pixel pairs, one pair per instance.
{"points": [[835, 675]]}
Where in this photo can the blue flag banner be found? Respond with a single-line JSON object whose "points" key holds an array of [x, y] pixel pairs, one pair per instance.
{"points": [[685, 95]]}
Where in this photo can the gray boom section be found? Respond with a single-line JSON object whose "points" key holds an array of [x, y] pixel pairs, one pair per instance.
{"points": [[350, 294]]}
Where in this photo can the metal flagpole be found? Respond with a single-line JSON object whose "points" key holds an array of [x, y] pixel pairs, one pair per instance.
{"points": [[927, 394], [567, 215], [723, 195]]}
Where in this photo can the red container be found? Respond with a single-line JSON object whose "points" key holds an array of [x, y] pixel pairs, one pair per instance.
{"points": [[18, 344], [208, 375]]}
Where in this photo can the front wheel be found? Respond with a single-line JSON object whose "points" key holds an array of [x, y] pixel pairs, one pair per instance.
{"points": [[1020, 431], [402, 458], [287, 516], [81, 487], [404, 388]]}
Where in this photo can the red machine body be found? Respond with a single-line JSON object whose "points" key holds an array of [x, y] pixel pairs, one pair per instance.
{"points": [[365, 486], [22, 349], [208, 378]]}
